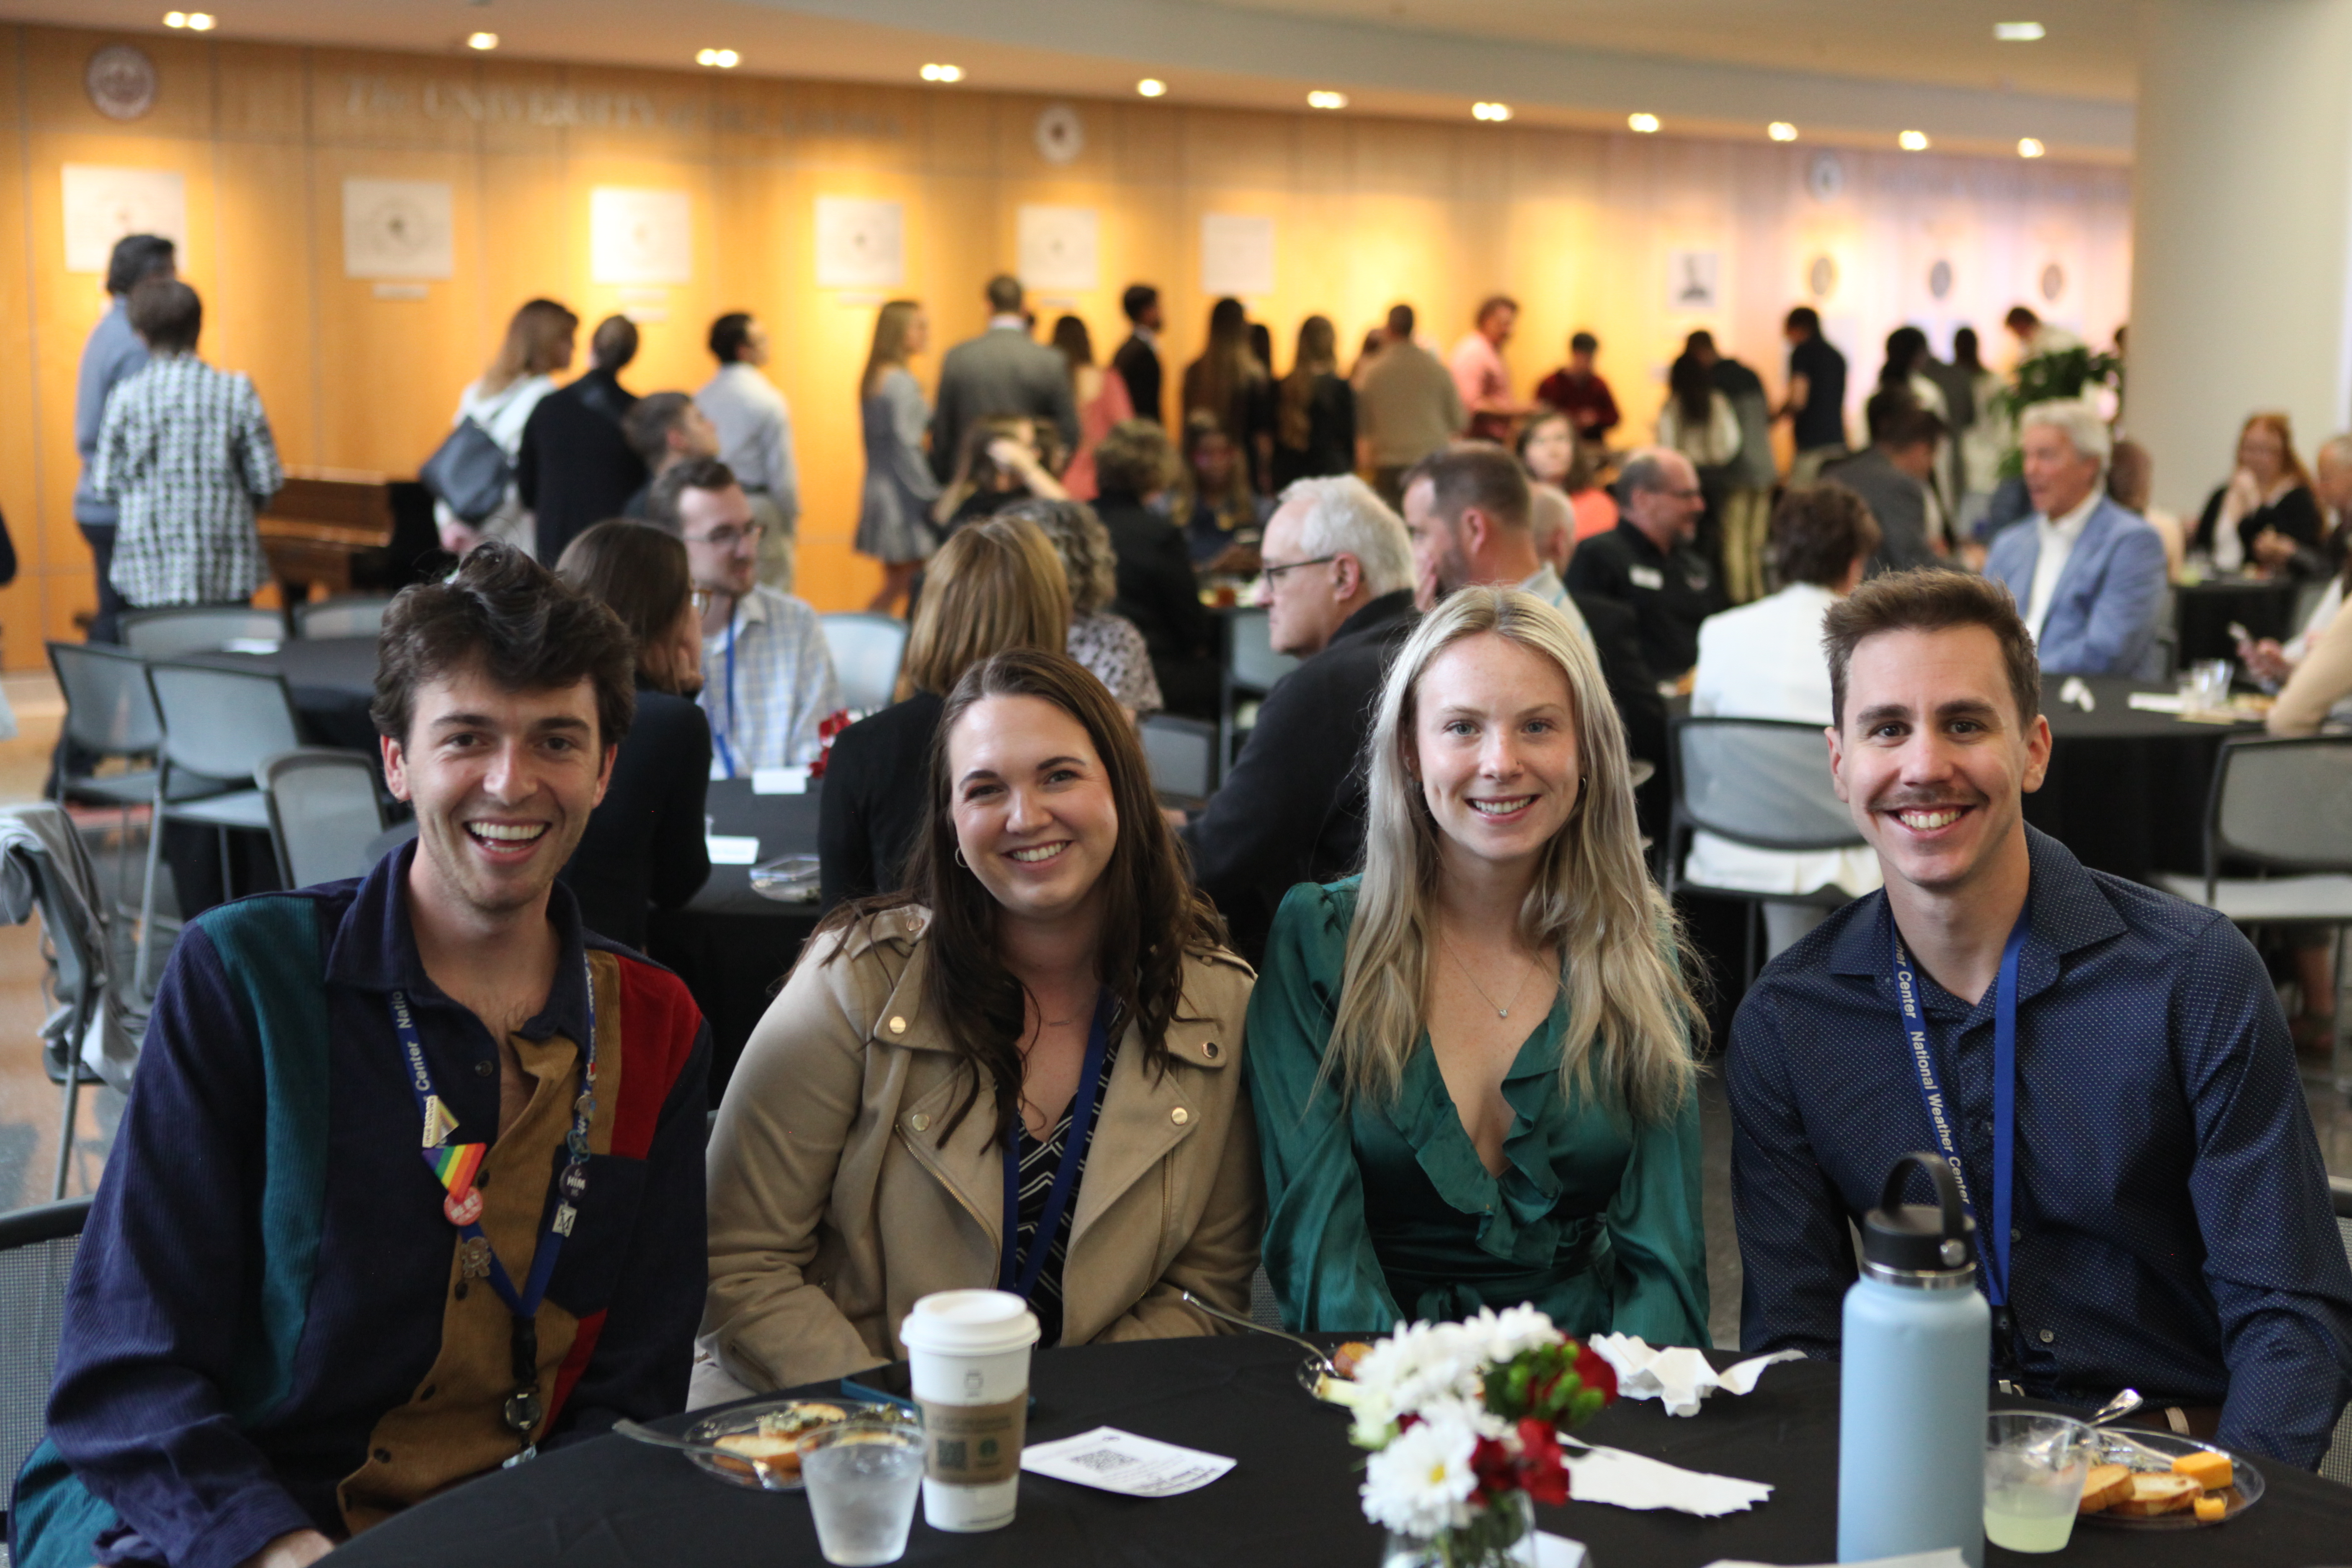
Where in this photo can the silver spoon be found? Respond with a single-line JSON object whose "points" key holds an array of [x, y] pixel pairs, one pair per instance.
{"points": [[770, 1479], [1322, 1357]]}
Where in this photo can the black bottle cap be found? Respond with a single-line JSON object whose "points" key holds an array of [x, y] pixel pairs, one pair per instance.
{"points": [[1920, 1238]]}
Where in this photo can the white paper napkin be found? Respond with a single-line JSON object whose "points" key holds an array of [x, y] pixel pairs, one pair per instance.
{"points": [[1558, 1550], [1679, 1376], [1629, 1480], [1119, 1462], [730, 849], [780, 781]]}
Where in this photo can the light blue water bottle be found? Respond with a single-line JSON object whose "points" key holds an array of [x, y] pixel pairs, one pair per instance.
{"points": [[1918, 1355]]}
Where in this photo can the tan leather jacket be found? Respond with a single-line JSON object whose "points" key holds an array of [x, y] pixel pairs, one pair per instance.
{"points": [[836, 1200]]}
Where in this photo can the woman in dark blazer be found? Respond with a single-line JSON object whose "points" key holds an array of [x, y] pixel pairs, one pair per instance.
{"points": [[645, 847], [1157, 589], [996, 583], [2266, 516]]}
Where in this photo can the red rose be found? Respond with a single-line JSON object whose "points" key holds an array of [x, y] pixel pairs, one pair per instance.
{"points": [[1596, 1373], [1543, 1475]]}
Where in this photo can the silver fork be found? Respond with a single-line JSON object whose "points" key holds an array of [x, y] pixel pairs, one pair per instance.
{"points": [[1322, 1357]]}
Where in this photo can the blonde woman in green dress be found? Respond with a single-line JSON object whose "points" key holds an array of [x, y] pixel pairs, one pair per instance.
{"points": [[1472, 1063]]}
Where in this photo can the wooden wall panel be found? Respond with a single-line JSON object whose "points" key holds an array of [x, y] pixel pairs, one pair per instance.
{"points": [[1367, 212]]}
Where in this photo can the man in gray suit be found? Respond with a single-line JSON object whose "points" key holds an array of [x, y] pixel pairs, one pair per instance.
{"points": [[1002, 371], [1892, 478]]}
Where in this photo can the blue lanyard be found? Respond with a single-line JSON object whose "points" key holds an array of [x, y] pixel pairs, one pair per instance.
{"points": [[1014, 1274], [573, 1182], [726, 751], [2004, 1098]]}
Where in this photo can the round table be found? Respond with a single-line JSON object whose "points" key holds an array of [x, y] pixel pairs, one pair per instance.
{"points": [[2202, 612], [2127, 789], [331, 680], [1291, 1500]]}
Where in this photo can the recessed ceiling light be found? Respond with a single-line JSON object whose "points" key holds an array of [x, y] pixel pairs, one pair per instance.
{"points": [[195, 21], [1321, 98], [1151, 86], [1645, 124], [942, 73], [1781, 131], [175, 18], [719, 60], [1494, 112], [2019, 32], [1913, 141], [482, 41], [2030, 147]]}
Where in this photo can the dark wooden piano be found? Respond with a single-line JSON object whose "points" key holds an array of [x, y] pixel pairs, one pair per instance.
{"points": [[354, 532]]}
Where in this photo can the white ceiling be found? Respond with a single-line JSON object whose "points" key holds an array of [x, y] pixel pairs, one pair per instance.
{"points": [[1844, 70]]}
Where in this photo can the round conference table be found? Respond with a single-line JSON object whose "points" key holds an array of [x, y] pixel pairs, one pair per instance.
{"points": [[1291, 1501], [2127, 789], [2203, 613]]}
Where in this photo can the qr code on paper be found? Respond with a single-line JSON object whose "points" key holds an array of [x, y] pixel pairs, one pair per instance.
{"points": [[1104, 1460]]}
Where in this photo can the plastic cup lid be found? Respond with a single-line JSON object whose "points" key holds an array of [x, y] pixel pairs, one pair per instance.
{"points": [[970, 1322]]}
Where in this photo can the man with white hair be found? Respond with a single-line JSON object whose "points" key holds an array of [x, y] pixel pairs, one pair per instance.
{"points": [[1338, 587], [2087, 577]]}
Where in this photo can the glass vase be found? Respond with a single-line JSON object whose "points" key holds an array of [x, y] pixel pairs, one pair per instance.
{"points": [[1500, 1535]]}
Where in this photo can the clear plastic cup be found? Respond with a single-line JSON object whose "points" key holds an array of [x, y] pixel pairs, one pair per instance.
{"points": [[2035, 1468], [862, 1480]]}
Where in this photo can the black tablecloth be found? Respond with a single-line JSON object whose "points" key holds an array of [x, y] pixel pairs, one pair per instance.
{"points": [[731, 946], [2127, 789], [1291, 1500], [2204, 611]]}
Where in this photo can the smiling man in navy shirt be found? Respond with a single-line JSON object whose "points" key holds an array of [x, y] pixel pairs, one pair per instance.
{"points": [[2161, 1219]]}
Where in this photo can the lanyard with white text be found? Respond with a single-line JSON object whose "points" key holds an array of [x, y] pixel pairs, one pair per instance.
{"points": [[1995, 1237], [1016, 1275], [726, 751]]}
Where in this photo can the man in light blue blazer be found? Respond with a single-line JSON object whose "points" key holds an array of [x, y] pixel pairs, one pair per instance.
{"points": [[2088, 575]]}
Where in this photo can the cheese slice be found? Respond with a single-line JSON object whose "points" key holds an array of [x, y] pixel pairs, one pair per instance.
{"points": [[2208, 1470]]}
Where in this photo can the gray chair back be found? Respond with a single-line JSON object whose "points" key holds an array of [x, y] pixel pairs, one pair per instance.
{"points": [[224, 723], [866, 652], [198, 628], [324, 814], [2286, 803], [1759, 781], [1265, 1311], [37, 1254], [2336, 1466], [109, 708], [1183, 754], [1250, 659], [341, 618]]}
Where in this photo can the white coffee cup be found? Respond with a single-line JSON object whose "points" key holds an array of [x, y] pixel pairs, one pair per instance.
{"points": [[969, 1354]]}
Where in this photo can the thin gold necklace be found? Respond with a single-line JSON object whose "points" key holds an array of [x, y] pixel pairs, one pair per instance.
{"points": [[1533, 964]]}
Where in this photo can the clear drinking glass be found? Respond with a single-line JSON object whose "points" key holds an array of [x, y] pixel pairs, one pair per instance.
{"points": [[2205, 685], [2034, 1467], [862, 1480]]}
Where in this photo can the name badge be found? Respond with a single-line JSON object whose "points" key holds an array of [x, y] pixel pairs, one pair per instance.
{"points": [[1648, 577]]}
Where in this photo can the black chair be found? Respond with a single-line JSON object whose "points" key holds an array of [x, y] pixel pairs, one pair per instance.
{"points": [[1251, 668], [1183, 754], [37, 1254], [1763, 782]]}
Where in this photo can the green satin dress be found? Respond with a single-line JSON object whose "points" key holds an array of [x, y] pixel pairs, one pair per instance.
{"points": [[1381, 1214]]}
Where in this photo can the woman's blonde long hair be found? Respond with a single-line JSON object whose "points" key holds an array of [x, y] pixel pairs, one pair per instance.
{"points": [[889, 348], [1631, 1021]]}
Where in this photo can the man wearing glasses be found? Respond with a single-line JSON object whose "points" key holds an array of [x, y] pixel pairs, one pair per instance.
{"points": [[1337, 585], [767, 674], [1647, 563]]}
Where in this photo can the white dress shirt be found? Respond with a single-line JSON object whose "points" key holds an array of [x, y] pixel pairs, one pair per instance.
{"points": [[2054, 545], [767, 685], [1764, 660], [755, 434]]}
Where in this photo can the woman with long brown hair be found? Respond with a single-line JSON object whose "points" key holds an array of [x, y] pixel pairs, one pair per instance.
{"points": [[995, 584], [1229, 382], [1102, 398], [1315, 411], [894, 522], [1473, 1065], [1022, 1069], [645, 847], [2267, 518], [538, 346]]}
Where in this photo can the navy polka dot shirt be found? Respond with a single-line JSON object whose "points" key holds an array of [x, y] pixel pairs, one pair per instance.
{"points": [[2172, 1230]]}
